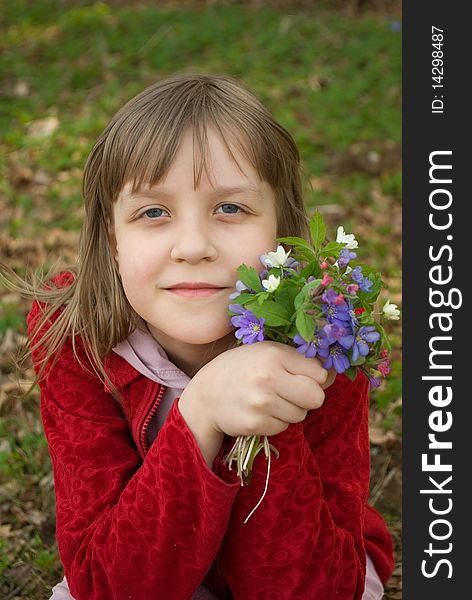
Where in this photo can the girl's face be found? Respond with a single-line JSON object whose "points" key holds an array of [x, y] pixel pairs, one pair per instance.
{"points": [[172, 234]]}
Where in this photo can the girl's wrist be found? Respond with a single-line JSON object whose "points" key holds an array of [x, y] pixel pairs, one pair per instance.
{"points": [[208, 439]]}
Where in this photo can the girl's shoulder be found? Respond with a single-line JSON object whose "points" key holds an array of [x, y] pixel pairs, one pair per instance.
{"points": [[58, 342], [40, 303], [63, 279], [47, 329]]}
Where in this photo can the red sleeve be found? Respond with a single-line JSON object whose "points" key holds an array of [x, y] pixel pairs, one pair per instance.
{"points": [[379, 543], [127, 528], [306, 538]]}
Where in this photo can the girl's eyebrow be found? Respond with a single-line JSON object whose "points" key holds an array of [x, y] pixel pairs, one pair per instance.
{"points": [[215, 193]]}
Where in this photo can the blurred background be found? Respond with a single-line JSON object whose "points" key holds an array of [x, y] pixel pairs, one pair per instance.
{"points": [[330, 71]]}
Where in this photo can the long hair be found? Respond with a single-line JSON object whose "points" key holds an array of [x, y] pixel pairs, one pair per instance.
{"points": [[138, 146]]}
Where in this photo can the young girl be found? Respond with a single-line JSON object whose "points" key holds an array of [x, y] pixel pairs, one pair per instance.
{"points": [[143, 389]]}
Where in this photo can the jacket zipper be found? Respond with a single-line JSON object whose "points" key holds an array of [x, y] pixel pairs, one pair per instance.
{"points": [[151, 413]]}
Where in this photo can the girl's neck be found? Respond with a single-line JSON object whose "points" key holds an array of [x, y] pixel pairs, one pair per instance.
{"points": [[190, 358]]}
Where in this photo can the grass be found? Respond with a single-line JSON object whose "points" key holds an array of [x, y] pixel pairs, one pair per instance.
{"points": [[334, 82]]}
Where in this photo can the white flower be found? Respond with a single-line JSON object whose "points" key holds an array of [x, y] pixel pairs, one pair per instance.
{"points": [[346, 238], [275, 259], [391, 311], [272, 283]]}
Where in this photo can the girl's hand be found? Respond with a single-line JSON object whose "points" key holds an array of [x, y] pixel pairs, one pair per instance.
{"points": [[253, 389]]}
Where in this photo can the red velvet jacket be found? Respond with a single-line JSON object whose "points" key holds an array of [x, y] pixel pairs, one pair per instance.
{"points": [[142, 523]]}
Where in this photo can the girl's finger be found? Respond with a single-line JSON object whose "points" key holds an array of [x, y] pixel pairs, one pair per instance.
{"points": [[300, 390], [299, 364]]}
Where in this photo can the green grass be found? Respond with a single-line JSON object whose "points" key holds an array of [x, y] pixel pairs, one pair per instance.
{"points": [[331, 81]]}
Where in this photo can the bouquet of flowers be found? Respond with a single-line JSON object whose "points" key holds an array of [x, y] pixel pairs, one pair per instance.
{"points": [[327, 309]]}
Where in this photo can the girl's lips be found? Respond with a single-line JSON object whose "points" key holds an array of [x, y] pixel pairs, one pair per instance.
{"points": [[195, 292]]}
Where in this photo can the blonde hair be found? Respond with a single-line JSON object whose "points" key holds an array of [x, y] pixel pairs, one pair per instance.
{"points": [[138, 146]]}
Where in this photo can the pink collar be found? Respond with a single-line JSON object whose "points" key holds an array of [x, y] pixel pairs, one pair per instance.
{"points": [[148, 357]]}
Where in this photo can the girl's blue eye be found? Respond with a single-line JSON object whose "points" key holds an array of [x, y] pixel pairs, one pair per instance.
{"points": [[234, 208], [153, 213]]}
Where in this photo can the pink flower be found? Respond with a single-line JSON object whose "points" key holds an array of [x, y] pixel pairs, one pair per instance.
{"points": [[384, 367], [352, 289], [324, 265], [326, 280], [339, 299]]}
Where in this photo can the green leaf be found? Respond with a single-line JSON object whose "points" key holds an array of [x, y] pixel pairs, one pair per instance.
{"points": [[300, 300], [312, 268], [351, 373], [297, 243], [367, 271], [302, 296], [250, 277], [384, 336], [292, 240], [292, 332], [304, 255], [274, 314], [371, 296], [244, 298], [360, 361], [332, 249], [285, 296], [317, 229], [305, 325]]}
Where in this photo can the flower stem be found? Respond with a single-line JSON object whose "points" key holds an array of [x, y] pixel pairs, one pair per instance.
{"points": [[267, 453]]}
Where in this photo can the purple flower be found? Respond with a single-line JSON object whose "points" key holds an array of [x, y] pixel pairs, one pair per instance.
{"points": [[237, 308], [344, 257], [319, 344], [364, 335], [336, 313], [374, 381], [334, 333], [352, 315], [364, 282], [356, 274], [337, 358], [263, 274], [239, 288], [251, 329], [291, 263], [329, 296]]}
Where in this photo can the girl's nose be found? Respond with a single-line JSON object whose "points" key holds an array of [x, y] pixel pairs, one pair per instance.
{"points": [[193, 242]]}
